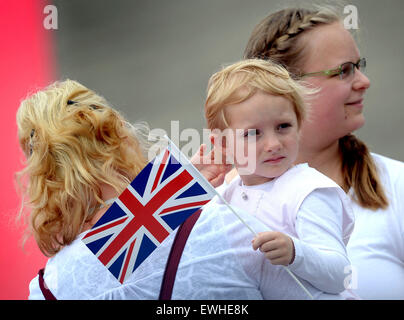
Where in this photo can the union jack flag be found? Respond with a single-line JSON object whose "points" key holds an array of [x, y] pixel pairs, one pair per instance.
{"points": [[161, 197]]}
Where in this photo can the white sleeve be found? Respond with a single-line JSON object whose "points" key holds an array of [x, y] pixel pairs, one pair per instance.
{"points": [[35, 292], [320, 254]]}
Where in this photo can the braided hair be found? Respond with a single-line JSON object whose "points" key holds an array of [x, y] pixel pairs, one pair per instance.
{"points": [[279, 37]]}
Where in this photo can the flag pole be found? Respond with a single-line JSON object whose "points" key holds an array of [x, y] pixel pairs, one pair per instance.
{"points": [[235, 213], [208, 185]]}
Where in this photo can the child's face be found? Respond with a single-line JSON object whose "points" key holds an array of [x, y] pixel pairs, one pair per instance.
{"points": [[266, 134]]}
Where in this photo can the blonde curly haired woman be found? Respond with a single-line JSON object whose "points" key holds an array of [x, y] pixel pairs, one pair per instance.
{"points": [[81, 154]]}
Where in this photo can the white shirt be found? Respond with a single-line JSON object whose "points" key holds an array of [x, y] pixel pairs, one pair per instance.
{"points": [[314, 211], [376, 247], [218, 262]]}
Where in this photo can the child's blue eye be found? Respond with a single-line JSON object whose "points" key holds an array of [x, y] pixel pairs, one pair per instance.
{"points": [[284, 126], [251, 133]]}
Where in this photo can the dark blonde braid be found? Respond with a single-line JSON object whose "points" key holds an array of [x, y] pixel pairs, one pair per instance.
{"points": [[277, 36]]}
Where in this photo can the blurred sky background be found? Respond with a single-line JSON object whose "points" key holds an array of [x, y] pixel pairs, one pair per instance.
{"points": [[152, 60]]}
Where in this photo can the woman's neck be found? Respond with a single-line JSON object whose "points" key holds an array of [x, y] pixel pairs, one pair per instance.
{"points": [[326, 160], [108, 194]]}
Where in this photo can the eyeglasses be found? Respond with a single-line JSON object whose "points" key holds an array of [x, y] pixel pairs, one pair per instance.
{"points": [[344, 70]]}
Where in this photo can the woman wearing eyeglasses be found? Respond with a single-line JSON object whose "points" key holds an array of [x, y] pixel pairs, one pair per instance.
{"points": [[315, 47]]}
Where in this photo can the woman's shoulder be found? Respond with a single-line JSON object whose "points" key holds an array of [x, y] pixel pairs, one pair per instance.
{"points": [[388, 162], [76, 273], [391, 170], [391, 174]]}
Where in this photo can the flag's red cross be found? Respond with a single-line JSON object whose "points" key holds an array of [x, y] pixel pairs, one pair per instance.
{"points": [[143, 215]]}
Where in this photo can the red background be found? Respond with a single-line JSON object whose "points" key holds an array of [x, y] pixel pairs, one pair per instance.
{"points": [[26, 64]]}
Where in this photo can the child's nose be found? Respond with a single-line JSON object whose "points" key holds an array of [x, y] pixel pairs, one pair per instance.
{"points": [[272, 144]]}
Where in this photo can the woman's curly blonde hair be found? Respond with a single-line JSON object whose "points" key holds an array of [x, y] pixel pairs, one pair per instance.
{"points": [[73, 141]]}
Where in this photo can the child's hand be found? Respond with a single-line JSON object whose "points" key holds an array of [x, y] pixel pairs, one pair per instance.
{"points": [[213, 170], [277, 247]]}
